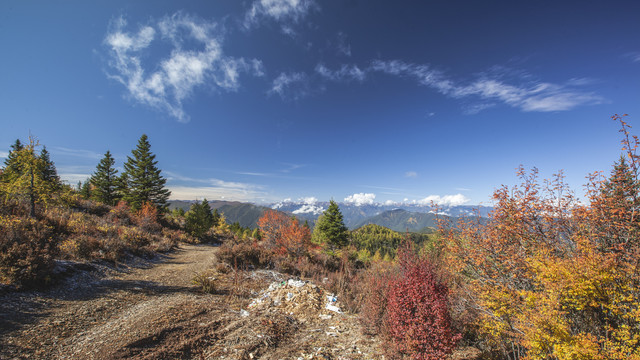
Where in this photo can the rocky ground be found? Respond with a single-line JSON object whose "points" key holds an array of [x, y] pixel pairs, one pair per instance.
{"points": [[152, 310]]}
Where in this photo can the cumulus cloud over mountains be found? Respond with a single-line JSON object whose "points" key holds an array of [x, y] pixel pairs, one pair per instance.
{"points": [[360, 199]]}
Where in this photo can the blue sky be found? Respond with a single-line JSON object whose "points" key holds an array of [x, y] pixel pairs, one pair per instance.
{"points": [[368, 101]]}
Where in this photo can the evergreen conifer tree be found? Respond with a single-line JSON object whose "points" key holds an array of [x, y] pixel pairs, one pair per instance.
{"points": [[49, 172], [216, 217], [178, 212], [85, 190], [141, 179], [330, 228], [199, 219], [105, 181], [10, 163]]}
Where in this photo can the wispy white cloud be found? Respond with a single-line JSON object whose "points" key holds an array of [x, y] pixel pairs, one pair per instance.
{"points": [[284, 11], [252, 173], [344, 73], [411, 174], [383, 188], [361, 199], [423, 74], [56, 150], [188, 188], [3, 154], [527, 96], [218, 189], [634, 56], [168, 83], [214, 193], [171, 176], [499, 85], [462, 189], [344, 48], [292, 85], [290, 167], [71, 174], [476, 108]]}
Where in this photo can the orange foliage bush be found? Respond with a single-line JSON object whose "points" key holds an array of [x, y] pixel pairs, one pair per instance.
{"points": [[283, 234], [147, 218]]}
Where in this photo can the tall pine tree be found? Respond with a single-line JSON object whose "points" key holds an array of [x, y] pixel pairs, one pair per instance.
{"points": [[141, 179], [105, 181], [330, 228]]}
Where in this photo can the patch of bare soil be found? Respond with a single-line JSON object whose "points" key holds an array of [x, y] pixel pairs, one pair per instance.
{"points": [[152, 310]]}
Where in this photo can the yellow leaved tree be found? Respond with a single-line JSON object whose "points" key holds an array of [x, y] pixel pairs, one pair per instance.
{"points": [[549, 277]]}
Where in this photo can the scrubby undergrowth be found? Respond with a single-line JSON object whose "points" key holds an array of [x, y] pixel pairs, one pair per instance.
{"points": [[80, 230]]}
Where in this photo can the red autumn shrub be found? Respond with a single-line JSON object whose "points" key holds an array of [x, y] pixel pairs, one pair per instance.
{"points": [[147, 218], [418, 323]]}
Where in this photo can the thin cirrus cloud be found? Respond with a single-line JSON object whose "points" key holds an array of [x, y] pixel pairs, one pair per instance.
{"points": [[76, 152], [411, 174], [343, 47], [212, 189], [284, 11], [345, 72], [166, 84], [298, 85], [529, 96], [291, 85]]}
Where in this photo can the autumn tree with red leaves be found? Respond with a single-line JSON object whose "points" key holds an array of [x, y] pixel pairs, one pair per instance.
{"points": [[283, 234]]}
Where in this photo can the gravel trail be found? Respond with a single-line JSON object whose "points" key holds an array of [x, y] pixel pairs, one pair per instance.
{"points": [[97, 314]]}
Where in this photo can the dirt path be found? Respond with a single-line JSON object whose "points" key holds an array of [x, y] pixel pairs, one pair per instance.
{"points": [[102, 313]]}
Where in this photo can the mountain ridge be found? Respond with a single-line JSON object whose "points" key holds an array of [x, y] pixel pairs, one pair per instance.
{"points": [[398, 217]]}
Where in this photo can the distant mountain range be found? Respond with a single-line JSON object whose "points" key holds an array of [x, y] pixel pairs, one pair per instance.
{"points": [[398, 217]]}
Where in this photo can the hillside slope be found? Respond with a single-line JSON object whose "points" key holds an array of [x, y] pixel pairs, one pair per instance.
{"points": [[402, 220]]}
